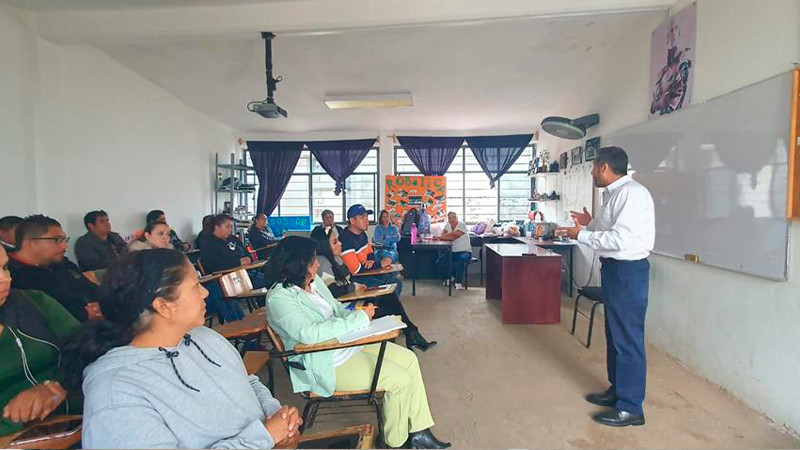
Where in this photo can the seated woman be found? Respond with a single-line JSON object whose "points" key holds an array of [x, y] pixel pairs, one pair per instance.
{"points": [[386, 236], [154, 377], [260, 235], [336, 276], [155, 235], [206, 229], [302, 310], [32, 328]]}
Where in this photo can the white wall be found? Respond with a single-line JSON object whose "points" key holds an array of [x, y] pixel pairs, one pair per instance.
{"points": [[18, 74], [738, 331], [109, 139]]}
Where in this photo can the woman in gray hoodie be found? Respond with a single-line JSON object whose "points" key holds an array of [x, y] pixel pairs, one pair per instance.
{"points": [[155, 377]]}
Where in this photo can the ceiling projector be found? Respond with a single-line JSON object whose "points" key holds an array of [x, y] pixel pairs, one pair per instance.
{"points": [[573, 129], [267, 108]]}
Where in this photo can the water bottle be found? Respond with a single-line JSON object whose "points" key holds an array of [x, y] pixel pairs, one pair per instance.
{"points": [[413, 234]]}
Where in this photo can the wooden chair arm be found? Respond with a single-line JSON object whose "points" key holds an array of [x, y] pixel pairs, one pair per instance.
{"points": [[392, 268], [260, 292], [366, 436], [266, 247], [334, 344], [372, 293], [250, 324], [56, 443]]}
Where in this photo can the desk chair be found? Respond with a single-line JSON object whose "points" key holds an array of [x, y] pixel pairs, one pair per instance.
{"points": [[50, 443], [466, 268], [329, 439], [373, 396], [200, 267], [595, 295], [236, 285]]}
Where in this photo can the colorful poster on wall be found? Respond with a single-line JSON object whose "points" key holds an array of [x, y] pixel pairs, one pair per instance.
{"points": [[672, 62], [406, 192]]}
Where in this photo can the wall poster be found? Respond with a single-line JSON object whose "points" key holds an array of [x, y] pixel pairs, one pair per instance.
{"points": [[672, 62], [406, 192]]}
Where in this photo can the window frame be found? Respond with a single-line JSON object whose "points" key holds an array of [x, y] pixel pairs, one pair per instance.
{"points": [[310, 176], [463, 172]]}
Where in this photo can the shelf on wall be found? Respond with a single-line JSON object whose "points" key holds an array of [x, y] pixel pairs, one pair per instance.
{"points": [[544, 201], [236, 167], [543, 174]]}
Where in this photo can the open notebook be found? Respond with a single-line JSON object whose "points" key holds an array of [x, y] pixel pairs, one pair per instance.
{"points": [[378, 326]]}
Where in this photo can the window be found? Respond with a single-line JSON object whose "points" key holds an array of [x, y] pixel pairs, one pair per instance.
{"points": [[310, 190], [468, 191]]}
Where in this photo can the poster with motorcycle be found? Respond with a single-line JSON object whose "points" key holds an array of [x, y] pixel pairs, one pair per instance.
{"points": [[420, 192], [672, 62]]}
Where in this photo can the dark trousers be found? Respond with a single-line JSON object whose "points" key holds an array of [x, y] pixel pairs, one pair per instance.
{"points": [[390, 305], [625, 287], [460, 261]]}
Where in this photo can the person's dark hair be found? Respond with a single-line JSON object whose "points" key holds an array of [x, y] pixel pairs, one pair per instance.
{"points": [[33, 227], [220, 219], [380, 217], [323, 241], [289, 262], [208, 224], [126, 300], [325, 212], [255, 218], [8, 223], [148, 229], [154, 215], [615, 157], [91, 217]]}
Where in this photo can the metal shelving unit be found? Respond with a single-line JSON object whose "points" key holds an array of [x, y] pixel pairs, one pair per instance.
{"points": [[242, 201]]}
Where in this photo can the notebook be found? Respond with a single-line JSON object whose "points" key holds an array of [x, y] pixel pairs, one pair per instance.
{"points": [[378, 326]]}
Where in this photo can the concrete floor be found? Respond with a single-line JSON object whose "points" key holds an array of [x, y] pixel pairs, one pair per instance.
{"points": [[522, 386]]}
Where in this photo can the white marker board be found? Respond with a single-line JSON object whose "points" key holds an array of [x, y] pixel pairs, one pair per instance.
{"points": [[718, 175]]}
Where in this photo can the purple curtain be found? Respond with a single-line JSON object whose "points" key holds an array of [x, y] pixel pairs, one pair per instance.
{"points": [[496, 154], [274, 163], [340, 158], [431, 155]]}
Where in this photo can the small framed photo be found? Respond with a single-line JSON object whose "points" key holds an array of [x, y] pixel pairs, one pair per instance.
{"points": [[592, 146], [576, 156], [562, 161]]}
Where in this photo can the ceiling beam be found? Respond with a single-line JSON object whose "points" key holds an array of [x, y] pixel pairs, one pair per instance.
{"points": [[307, 17]]}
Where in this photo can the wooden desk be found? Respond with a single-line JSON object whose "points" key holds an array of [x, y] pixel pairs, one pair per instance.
{"points": [[66, 442], [566, 249], [366, 435], [527, 281], [217, 275], [392, 268], [431, 245], [334, 343], [359, 295], [251, 324]]}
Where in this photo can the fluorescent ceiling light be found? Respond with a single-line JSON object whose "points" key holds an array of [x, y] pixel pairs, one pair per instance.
{"points": [[348, 101]]}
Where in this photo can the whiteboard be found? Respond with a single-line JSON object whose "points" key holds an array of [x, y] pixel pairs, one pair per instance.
{"points": [[718, 175]]}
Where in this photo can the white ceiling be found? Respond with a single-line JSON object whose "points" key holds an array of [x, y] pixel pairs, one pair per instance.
{"points": [[498, 75], [79, 5]]}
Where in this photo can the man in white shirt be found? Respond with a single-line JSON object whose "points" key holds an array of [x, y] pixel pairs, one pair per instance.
{"points": [[622, 235], [461, 251]]}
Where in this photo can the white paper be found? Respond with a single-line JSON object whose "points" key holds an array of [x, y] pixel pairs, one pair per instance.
{"points": [[378, 326]]}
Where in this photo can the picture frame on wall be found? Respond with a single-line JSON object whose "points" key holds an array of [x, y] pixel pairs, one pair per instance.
{"points": [[576, 156], [592, 146], [562, 161]]}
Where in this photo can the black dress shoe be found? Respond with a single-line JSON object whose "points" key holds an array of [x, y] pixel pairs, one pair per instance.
{"points": [[607, 398], [415, 340], [425, 439], [618, 418]]}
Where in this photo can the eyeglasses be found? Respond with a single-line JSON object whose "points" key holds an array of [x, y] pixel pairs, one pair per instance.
{"points": [[57, 239]]}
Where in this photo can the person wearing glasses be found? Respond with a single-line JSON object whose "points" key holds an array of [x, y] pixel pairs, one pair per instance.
{"points": [[39, 264]]}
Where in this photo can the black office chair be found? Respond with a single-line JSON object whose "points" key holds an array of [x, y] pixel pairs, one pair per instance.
{"points": [[595, 295]]}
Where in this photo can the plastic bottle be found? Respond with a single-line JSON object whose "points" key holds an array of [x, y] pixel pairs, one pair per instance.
{"points": [[413, 234]]}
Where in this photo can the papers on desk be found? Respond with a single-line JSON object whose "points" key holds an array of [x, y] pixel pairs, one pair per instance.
{"points": [[378, 326]]}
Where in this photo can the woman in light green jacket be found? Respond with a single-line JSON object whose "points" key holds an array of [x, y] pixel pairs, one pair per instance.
{"points": [[302, 310]]}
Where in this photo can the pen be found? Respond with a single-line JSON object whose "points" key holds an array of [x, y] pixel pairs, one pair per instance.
{"points": [[362, 307]]}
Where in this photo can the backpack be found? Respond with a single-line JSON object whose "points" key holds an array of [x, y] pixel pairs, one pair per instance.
{"points": [[424, 224], [411, 216]]}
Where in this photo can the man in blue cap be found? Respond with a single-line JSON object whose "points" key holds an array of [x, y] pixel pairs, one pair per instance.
{"points": [[357, 253]]}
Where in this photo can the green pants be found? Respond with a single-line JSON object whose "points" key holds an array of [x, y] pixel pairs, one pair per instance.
{"points": [[405, 404]]}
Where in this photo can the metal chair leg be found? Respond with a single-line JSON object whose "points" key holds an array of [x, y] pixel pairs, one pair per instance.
{"points": [[309, 414], [271, 373], [591, 325], [575, 314], [379, 441]]}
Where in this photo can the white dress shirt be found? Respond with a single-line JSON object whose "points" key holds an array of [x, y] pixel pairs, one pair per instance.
{"points": [[625, 228]]}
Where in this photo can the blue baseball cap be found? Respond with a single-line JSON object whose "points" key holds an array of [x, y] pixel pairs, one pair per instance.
{"points": [[357, 210]]}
